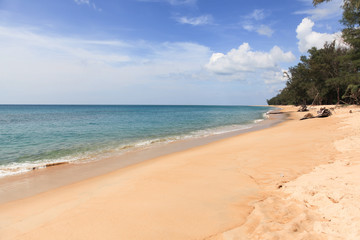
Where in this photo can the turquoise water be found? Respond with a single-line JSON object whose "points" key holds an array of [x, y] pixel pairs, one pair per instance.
{"points": [[34, 135]]}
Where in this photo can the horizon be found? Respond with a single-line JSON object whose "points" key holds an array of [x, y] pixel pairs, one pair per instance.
{"points": [[185, 105], [155, 52]]}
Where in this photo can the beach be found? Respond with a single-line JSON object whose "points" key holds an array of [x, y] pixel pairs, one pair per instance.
{"points": [[295, 180]]}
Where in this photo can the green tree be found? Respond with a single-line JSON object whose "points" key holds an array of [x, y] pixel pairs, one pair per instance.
{"points": [[351, 32], [331, 72], [320, 78], [353, 93]]}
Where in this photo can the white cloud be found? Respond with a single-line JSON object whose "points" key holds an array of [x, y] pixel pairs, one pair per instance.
{"points": [[257, 14], [173, 2], [309, 38], [182, 2], [37, 67], [82, 2], [79, 48], [195, 21], [253, 23], [90, 4], [249, 27], [265, 30], [322, 11], [271, 77], [244, 64], [260, 29], [244, 59]]}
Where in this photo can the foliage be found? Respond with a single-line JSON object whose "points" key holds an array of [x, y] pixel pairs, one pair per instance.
{"points": [[328, 75], [322, 77], [353, 93]]}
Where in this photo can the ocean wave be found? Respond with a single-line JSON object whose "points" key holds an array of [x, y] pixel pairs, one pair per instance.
{"points": [[16, 168], [265, 116]]}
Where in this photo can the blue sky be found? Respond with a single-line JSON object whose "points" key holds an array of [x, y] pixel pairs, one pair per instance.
{"points": [[228, 52]]}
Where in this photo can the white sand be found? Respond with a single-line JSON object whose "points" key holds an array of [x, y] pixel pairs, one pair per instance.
{"points": [[223, 190], [323, 204]]}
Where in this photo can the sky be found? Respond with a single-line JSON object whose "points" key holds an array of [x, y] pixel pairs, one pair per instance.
{"points": [[203, 52]]}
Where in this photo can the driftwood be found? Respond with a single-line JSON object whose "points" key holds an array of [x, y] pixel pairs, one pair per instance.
{"points": [[307, 116], [303, 108], [324, 112], [50, 165]]}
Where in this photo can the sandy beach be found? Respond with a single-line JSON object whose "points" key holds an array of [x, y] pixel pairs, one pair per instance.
{"points": [[295, 180]]}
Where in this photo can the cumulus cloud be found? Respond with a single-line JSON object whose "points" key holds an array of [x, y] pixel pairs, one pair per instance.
{"points": [[322, 11], [195, 21], [243, 59], [309, 38], [244, 64]]}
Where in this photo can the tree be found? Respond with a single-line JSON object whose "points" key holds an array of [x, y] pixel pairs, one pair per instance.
{"points": [[353, 93], [330, 72], [321, 77], [351, 21]]}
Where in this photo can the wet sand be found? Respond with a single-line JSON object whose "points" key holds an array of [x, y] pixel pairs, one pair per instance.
{"points": [[212, 191], [43, 179]]}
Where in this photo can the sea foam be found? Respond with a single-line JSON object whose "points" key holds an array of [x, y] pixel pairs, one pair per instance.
{"points": [[37, 137]]}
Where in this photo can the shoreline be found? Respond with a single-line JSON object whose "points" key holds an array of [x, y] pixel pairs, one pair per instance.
{"points": [[91, 133], [241, 187], [38, 180]]}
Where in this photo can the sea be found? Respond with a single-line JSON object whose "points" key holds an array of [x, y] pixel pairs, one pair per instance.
{"points": [[36, 136]]}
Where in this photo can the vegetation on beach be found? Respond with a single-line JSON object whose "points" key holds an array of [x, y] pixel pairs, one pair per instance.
{"points": [[330, 75]]}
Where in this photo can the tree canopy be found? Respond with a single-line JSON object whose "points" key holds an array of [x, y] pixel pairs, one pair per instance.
{"points": [[331, 74]]}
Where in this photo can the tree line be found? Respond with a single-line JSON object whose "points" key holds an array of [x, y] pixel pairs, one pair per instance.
{"points": [[330, 75]]}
